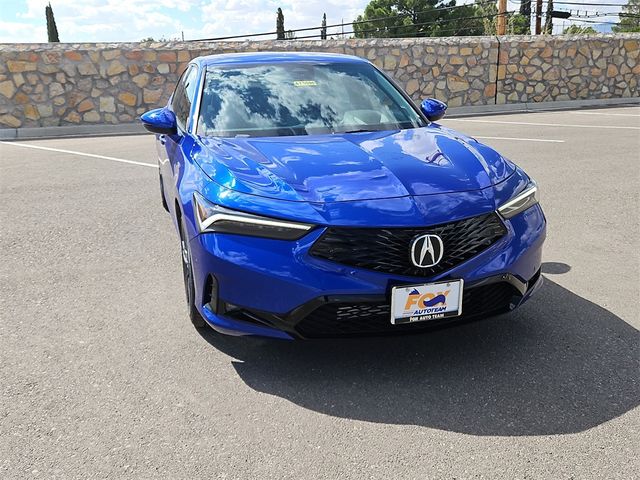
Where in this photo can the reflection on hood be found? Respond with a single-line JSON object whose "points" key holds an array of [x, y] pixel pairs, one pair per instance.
{"points": [[352, 167]]}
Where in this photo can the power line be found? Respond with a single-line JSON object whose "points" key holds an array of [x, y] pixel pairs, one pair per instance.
{"points": [[441, 20], [434, 22], [625, 15], [582, 4], [588, 14], [412, 34], [599, 22], [421, 34], [370, 20]]}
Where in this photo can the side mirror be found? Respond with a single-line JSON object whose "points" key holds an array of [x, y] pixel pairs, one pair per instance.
{"points": [[160, 120], [433, 109]]}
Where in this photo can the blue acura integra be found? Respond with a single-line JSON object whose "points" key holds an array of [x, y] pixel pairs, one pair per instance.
{"points": [[314, 199]]}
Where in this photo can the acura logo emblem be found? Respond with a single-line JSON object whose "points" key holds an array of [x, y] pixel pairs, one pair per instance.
{"points": [[426, 250]]}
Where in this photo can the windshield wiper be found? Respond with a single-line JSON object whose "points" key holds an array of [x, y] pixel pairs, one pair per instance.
{"points": [[359, 130]]}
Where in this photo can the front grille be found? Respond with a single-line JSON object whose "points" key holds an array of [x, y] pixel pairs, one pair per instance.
{"points": [[340, 319], [388, 250]]}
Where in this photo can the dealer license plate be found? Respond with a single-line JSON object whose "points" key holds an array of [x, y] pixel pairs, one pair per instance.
{"points": [[430, 301]]}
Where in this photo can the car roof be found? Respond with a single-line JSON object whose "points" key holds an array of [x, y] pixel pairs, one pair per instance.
{"points": [[275, 57]]}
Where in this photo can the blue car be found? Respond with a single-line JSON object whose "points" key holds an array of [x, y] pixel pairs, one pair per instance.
{"points": [[314, 199]]}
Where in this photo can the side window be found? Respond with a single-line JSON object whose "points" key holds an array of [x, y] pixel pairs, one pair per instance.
{"points": [[190, 83], [182, 96]]}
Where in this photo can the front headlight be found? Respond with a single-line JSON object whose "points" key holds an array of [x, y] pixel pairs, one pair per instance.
{"points": [[524, 200], [214, 218]]}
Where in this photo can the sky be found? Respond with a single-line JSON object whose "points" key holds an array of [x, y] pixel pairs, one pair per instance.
{"points": [[133, 20]]}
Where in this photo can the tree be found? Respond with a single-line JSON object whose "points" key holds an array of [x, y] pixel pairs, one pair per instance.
{"points": [[518, 24], [579, 30], [629, 18], [280, 25], [525, 8], [417, 18], [161, 39], [323, 29], [490, 13], [524, 18], [548, 23], [52, 29]]}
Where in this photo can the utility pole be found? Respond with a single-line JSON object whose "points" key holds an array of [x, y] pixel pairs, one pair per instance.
{"points": [[501, 27], [538, 17]]}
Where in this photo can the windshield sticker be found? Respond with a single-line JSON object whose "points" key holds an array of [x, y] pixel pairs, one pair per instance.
{"points": [[305, 83]]}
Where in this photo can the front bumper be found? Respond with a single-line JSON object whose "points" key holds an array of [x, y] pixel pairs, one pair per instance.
{"points": [[276, 288]]}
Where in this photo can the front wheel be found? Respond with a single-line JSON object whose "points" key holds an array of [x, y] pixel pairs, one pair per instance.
{"points": [[189, 287]]}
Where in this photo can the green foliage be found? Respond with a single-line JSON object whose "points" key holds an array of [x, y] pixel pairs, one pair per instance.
{"points": [[518, 24], [525, 8], [548, 23], [417, 18], [488, 10], [52, 29], [280, 35], [323, 30], [629, 18], [579, 30], [161, 39], [522, 21]]}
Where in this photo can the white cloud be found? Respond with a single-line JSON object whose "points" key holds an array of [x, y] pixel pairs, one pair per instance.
{"points": [[103, 20], [20, 32], [238, 17], [132, 20]]}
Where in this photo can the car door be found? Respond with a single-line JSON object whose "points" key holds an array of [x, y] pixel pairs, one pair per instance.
{"points": [[176, 146]]}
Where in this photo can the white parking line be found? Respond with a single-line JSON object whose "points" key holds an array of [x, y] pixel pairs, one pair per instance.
{"points": [[81, 154], [502, 122], [605, 113], [520, 139]]}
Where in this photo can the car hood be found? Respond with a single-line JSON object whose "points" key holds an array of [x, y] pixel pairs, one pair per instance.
{"points": [[353, 167]]}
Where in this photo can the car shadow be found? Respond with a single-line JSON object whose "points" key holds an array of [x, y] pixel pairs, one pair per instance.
{"points": [[559, 364]]}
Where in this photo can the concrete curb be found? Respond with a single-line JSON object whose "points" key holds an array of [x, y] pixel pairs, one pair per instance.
{"points": [[71, 131], [540, 107], [137, 129]]}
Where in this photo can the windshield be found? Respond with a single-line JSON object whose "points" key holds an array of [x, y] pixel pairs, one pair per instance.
{"points": [[301, 99]]}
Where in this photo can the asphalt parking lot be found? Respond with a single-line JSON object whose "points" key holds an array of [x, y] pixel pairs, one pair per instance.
{"points": [[103, 376]]}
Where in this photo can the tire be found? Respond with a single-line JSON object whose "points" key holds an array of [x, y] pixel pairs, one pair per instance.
{"points": [[164, 200], [187, 273]]}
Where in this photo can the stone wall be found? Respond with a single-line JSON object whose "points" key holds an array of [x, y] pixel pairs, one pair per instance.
{"points": [[66, 84], [568, 68]]}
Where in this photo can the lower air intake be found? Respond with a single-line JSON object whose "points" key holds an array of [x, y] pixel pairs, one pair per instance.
{"points": [[343, 319]]}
